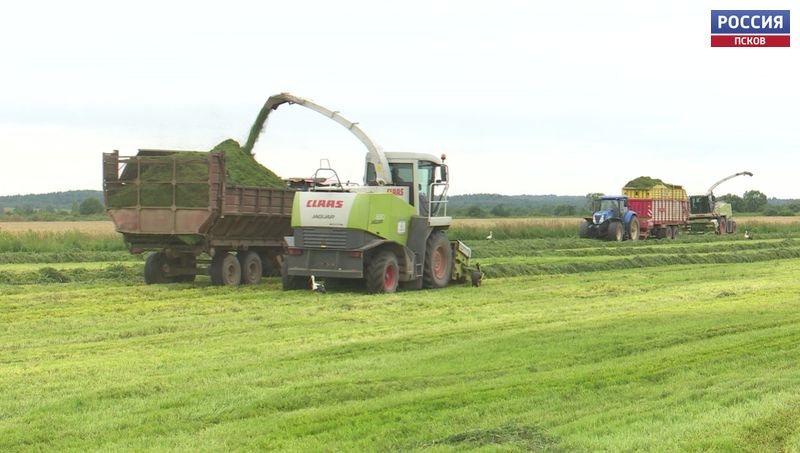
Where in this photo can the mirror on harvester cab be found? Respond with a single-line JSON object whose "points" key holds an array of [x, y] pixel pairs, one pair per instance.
{"points": [[443, 173]]}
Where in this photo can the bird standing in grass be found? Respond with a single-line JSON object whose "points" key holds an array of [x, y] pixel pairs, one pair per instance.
{"points": [[747, 235], [477, 275], [489, 237], [318, 287]]}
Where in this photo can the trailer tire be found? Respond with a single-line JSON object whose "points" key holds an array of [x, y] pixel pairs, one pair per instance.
{"points": [[154, 268], [585, 231], [633, 229], [225, 270], [615, 231], [383, 273], [732, 228], [252, 267], [290, 282], [438, 261]]}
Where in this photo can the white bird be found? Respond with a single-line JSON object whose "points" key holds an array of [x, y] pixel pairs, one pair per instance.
{"points": [[747, 235], [489, 237], [317, 286]]}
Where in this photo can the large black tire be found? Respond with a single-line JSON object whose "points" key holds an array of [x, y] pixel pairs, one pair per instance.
{"points": [[732, 226], [615, 231], [383, 273], [291, 282], [438, 261], [154, 268], [633, 229], [252, 267], [225, 269], [585, 230]]}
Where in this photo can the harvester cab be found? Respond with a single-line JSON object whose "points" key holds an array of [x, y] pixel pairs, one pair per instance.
{"points": [[419, 179]]}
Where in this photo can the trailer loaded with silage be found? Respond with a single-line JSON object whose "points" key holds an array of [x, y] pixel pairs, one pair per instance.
{"points": [[218, 212]]}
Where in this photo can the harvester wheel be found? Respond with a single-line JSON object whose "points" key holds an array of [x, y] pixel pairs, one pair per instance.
{"points": [[154, 268], [585, 229], [383, 273], [615, 231], [438, 261], [291, 282], [252, 267], [225, 270], [633, 229]]}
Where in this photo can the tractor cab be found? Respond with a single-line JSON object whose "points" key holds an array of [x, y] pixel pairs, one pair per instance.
{"points": [[609, 208]]}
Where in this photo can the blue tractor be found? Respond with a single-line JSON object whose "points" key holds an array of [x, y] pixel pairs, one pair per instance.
{"points": [[611, 219]]}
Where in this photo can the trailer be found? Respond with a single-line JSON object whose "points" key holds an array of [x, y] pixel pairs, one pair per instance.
{"points": [[179, 205], [663, 209]]}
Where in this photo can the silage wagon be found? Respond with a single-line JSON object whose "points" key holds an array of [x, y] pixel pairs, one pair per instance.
{"points": [[181, 206]]}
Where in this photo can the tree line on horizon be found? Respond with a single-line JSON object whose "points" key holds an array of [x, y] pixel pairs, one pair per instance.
{"points": [[87, 204]]}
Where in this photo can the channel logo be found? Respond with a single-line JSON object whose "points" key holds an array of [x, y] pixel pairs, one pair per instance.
{"points": [[749, 28]]}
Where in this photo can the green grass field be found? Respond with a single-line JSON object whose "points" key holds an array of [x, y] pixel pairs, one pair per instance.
{"points": [[570, 345]]}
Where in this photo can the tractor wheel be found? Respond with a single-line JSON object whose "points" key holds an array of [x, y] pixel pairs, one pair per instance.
{"points": [[225, 270], [383, 273], [251, 266], [585, 232], [291, 282], [438, 261], [732, 227], [154, 268], [185, 261], [615, 231], [633, 229]]}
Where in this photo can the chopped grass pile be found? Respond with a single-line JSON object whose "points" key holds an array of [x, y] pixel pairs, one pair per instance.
{"points": [[155, 174], [646, 182]]}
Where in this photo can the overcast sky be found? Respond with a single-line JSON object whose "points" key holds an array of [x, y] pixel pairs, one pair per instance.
{"points": [[522, 97]]}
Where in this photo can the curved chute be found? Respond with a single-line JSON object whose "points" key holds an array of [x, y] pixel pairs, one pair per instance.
{"points": [[376, 155], [710, 190]]}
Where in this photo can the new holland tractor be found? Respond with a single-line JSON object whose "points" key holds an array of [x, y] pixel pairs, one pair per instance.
{"points": [[391, 231]]}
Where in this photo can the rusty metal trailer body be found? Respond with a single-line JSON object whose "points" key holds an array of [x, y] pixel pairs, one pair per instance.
{"points": [[180, 205]]}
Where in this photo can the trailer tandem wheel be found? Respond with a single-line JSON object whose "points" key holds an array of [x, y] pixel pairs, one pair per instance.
{"points": [[225, 269], [252, 267]]}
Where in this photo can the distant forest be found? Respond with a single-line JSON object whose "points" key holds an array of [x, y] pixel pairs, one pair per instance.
{"points": [[55, 200], [82, 204]]}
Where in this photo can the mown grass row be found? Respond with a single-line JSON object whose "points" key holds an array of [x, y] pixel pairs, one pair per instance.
{"points": [[116, 273], [71, 256], [515, 266], [59, 242]]}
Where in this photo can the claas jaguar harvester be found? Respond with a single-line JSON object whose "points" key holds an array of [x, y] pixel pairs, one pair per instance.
{"points": [[648, 208], [391, 231], [708, 214]]}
